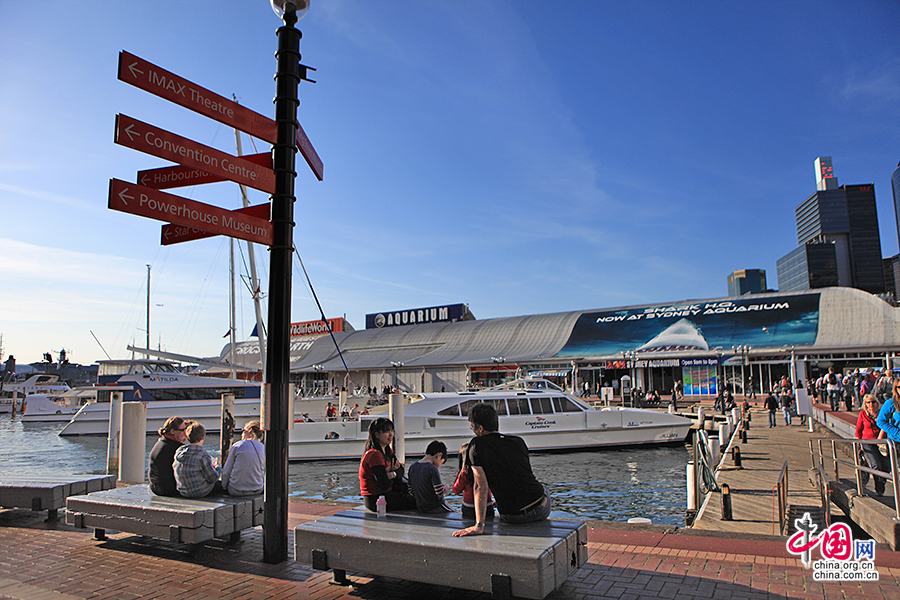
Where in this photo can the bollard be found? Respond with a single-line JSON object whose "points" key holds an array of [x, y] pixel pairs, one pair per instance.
{"points": [[736, 456], [743, 436], [700, 417], [133, 442], [226, 427], [112, 438], [726, 502], [691, 487], [396, 403]]}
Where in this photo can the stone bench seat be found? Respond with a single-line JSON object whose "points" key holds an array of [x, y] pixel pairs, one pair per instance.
{"points": [[49, 492], [135, 509], [529, 560]]}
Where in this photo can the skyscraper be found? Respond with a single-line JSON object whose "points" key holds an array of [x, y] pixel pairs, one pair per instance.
{"points": [[846, 218], [747, 281]]}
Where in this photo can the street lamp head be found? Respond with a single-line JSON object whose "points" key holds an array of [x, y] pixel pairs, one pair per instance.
{"points": [[300, 7]]}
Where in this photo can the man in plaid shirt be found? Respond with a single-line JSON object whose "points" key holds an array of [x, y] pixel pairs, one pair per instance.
{"points": [[195, 471]]}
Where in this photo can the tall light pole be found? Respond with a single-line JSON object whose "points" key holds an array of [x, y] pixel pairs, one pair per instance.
{"points": [[287, 79]]}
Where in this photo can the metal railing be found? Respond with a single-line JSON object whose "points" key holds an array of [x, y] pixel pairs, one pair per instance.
{"points": [[706, 478], [820, 457], [781, 491]]}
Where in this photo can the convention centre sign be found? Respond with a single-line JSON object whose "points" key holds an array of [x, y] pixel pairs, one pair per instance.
{"points": [[788, 320]]}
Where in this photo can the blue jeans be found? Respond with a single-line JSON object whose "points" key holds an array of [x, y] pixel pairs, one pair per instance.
{"points": [[772, 418], [834, 397], [538, 512], [787, 415]]}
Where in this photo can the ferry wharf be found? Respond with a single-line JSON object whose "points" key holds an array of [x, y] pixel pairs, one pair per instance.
{"points": [[738, 559]]}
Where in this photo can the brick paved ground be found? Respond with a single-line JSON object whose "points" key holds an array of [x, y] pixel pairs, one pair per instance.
{"points": [[45, 561]]}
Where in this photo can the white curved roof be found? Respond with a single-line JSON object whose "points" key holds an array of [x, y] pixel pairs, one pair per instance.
{"points": [[847, 320]]}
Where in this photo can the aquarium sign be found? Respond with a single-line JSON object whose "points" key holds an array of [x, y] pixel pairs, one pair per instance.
{"points": [[416, 316]]}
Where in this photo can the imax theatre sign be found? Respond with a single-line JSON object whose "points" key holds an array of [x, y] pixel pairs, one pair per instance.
{"points": [[416, 316]]}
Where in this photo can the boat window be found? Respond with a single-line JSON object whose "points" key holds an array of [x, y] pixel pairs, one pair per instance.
{"points": [[541, 406], [431, 423], [450, 411], [518, 406], [465, 406], [563, 404], [195, 393], [500, 405]]}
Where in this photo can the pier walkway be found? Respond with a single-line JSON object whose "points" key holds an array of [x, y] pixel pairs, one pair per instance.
{"points": [[52, 561], [753, 499]]}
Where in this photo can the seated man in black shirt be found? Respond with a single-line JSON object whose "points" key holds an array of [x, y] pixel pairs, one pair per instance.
{"points": [[500, 464]]}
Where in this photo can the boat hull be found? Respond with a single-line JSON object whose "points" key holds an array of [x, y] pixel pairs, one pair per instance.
{"points": [[93, 418], [346, 439]]}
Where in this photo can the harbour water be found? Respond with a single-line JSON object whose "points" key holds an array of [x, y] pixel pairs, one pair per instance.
{"points": [[609, 485]]}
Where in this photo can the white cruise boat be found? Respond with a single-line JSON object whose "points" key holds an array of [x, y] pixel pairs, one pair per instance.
{"points": [[37, 383], [546, 417], [168, 392]]}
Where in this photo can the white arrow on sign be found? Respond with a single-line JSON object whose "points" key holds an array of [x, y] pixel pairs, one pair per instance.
{"points": [[131, 134], [123, 195], [133, 68]]}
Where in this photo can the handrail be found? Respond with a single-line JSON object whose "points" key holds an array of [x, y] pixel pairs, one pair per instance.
{"points": [[707, 477], [781, 488], [818, 456]]}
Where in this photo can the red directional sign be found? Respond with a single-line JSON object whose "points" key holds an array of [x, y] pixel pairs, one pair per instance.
{"points": [[150, 78], [309, 153], [154, 204], [175, 234], [159, 82], [164, 144], [173, 177]]}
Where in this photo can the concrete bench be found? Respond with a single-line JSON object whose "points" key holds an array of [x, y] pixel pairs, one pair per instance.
{"points": [[49, 492], [528, 561], [135, 509]]}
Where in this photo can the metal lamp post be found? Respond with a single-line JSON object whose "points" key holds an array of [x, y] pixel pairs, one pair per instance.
{"points": [[287, 79]]}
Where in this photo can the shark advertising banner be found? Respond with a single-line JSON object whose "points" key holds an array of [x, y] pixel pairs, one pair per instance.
{"points": [[762, 322]]}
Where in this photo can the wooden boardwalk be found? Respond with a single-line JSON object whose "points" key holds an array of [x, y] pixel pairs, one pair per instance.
{"points": [[753, 498]]}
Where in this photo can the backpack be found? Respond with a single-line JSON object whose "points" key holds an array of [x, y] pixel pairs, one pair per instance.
{"points": [[832, 378]]}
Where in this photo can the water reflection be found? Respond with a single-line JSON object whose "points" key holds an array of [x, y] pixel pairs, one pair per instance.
{"points": [[609, 485], [612, 485]]}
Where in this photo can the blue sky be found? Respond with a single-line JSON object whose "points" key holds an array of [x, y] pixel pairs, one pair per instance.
{"points": [[521, 157]]}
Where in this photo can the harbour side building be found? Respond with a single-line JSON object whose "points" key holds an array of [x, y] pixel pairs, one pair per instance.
{"points": [[838, 237], [705, 344]]}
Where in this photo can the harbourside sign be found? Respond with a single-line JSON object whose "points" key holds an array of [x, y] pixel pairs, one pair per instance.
{"points": [[143, 137], [154, 204], [179, 176], [159, 82]]}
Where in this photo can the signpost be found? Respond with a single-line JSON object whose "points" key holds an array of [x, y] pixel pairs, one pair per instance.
{"points": [[159, 82], [189, 219], [154, 204]]}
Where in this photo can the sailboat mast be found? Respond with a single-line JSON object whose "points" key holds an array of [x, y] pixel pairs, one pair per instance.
{"points": [[231, 303], [148, 311], [254, 280]]}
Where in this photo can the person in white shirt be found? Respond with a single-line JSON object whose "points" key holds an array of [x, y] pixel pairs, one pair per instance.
{"points": [[244, 473]]}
